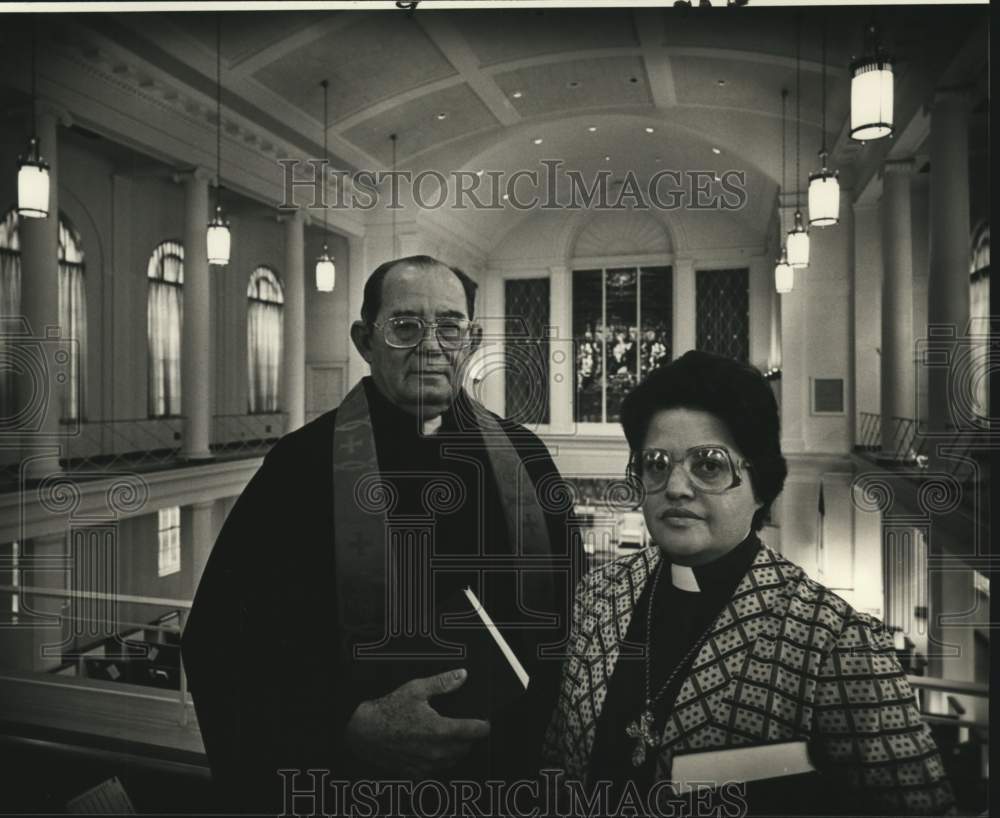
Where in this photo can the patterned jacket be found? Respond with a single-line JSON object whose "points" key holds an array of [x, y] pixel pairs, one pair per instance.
{"points": [[785, 660]]}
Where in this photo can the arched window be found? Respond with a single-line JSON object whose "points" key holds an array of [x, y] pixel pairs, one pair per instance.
{"points": [[72, 311], [10, 306], [265, 303], [165, 315], [979, 316], [73, 317]]}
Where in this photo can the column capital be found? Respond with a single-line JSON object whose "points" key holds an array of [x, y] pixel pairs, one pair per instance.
{"points": [[558, 269], [953, 93], [298, 215], [46, 107], [899, 166], [195, 174]]}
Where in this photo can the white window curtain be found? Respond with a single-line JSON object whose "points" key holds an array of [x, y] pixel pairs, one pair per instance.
{"points": [[73, 320], [265, 306], [979, 314], [10, 309], [165, 320]]}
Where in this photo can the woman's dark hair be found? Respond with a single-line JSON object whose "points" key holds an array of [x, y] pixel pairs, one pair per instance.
{"points": [[372, 300], [736, 394]]}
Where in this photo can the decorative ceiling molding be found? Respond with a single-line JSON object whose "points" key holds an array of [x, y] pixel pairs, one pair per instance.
{"points": [[445, 35], [649, 26]]}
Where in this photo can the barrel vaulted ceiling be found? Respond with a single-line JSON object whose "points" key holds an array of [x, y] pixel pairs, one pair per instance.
{"points": [[473, 90]]}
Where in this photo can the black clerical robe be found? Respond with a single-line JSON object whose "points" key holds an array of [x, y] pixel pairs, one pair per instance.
{"points": [[262, 645]]}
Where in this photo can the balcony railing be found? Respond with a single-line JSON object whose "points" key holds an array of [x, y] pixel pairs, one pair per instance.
{"points": [[145, 444]]}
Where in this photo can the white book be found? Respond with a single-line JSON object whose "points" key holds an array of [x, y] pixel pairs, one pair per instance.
{"points": [[752, 763]]}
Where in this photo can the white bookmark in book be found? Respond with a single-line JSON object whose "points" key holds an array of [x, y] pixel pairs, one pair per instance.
{"points": [[505, 649]]}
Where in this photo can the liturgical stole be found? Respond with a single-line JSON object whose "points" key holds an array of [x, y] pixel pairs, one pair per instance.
{"points": [[367, 575]]}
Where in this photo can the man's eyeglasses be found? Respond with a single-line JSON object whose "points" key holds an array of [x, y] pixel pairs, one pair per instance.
{"points": [[407, 331], [709, 468]]}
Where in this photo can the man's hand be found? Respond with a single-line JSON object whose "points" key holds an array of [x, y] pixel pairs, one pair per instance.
{"points": [[403, 734]]}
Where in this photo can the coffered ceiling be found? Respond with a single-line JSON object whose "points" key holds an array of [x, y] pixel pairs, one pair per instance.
{"points": [[476, 89]]}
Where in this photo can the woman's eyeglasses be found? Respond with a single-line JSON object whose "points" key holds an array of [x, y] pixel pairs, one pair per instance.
{"points": [[407, 331], [709, 468]]}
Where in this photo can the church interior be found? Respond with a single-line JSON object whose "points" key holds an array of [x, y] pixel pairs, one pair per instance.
{"points": [[174, 297]]}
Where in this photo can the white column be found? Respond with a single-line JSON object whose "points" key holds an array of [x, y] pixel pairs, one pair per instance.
{"points": [[200, 537], [948, 276], [761, 290], [897, 376], [357, 275], [561, 353], [920, 205], [40, 306], [867, 307], [684, 306], [196, 346], [293, 363]]}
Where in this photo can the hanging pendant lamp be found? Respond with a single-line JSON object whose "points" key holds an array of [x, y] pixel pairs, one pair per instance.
{"points": [[824, 186], [32, 170], [797, 240], [871, 91], [218, 237], [326, 270], [784, 276]]}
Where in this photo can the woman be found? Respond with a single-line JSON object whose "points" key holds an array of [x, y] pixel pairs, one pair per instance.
{"points": [[709, 640]]}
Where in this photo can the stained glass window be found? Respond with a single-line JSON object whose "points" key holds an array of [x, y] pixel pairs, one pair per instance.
{"points": [[622, 326], [526, 350], [165, 315], [265, 305], [722, 310]]}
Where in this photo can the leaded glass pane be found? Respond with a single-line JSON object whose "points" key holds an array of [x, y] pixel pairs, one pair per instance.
{"points": [[656, 307], [588, 333], [622, 343], [526, 350], [722, 308]]}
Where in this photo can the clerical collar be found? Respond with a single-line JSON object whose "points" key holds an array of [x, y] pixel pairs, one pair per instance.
{"points": [[720, 575], [391, 418]]}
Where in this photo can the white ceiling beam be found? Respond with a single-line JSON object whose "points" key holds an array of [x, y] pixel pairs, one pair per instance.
{"points": [[246, 65], [648, 25], [456, 50]]}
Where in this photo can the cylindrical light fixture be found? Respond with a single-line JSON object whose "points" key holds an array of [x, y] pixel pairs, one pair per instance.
{"points": [[218, 239], [871, 92], [797, 243], [33, 171], [824, 197], [326, 272], [797, 239], [784, 274], [824, 186], [32, 183], [218, 236]]}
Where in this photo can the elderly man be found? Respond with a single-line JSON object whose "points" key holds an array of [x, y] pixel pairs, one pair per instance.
{"points": [[313, 642]]}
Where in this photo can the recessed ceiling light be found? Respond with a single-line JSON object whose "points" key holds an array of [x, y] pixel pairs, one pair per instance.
{"points": [[573, 84], [649, 129], [607, 158], [716, 151], [658, 160], [505, 197], [633, 79], [517, 94], [592, 128], [720, 82], [537, 140], [442, 115], [479, 173]]}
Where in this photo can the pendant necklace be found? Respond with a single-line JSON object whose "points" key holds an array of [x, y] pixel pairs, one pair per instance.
{"points": [[641, 729]]}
